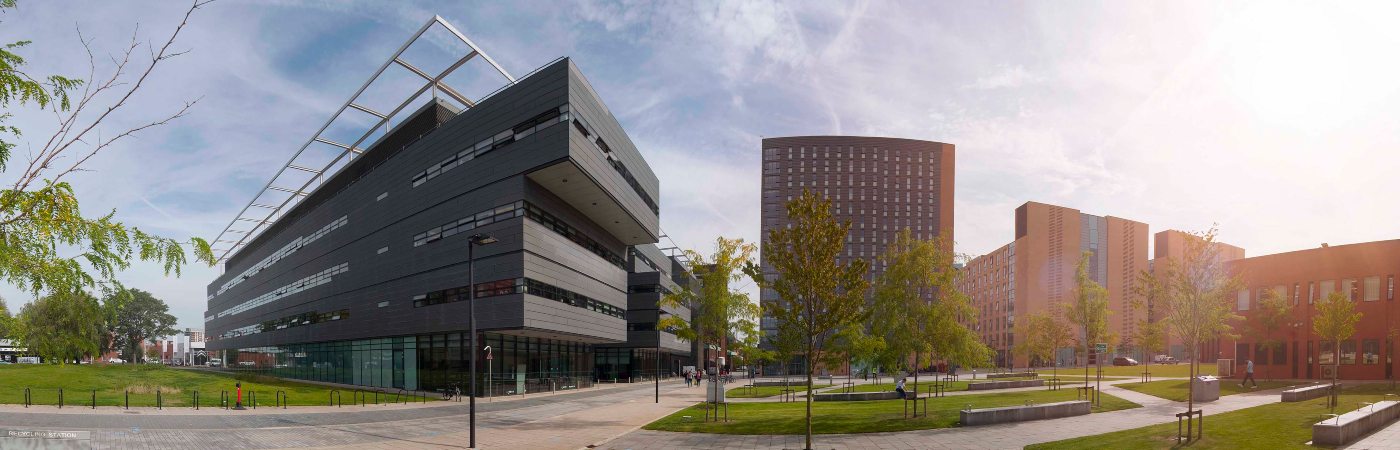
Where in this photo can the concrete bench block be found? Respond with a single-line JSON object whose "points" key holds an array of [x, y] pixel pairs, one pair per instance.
{"points": [[987, 385], [1305, 393], [993, 376], [988, 416], [855, 396], [1351, 426]]}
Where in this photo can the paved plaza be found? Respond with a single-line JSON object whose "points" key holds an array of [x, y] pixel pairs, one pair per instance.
{"points": [[607, 417]]}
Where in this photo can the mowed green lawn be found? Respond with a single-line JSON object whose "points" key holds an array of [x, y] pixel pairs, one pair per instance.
{"points": [[856, 417], [1181, 370], [1176, 390], [1273, 426], [175, 385], [767, 391]]}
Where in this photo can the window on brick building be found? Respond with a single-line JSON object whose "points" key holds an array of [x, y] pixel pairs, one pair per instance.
{"points": [[1242, 301], [1371, 288]]}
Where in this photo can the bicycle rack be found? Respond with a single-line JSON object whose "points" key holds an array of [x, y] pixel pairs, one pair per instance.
{"points": [[398, 396], [194, 396], [223, 399], [281, 400], [159, 402], [253, 398], [60, 398], [359, 397], [333, 396], [28, 398]]}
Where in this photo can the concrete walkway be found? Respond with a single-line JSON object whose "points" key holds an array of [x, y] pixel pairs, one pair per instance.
{"points": [[560, 421], [1387, 438], [1154, 411]]}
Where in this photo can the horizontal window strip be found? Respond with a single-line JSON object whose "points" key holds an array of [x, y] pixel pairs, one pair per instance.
{"points": [[506, 137], [286, 250], [517, 209], [519, 286], [588, 132], [303, 319], [303, 284]]}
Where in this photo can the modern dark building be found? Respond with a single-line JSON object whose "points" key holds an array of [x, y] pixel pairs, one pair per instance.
{"points": [[364, 280], [881, 185], [652, 275]]}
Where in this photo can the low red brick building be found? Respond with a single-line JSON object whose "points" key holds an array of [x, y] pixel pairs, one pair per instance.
{"points": [[1365, 272]]}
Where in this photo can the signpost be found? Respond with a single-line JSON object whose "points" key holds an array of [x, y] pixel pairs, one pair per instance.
{"points": [[1100, 349], [490, 393]]}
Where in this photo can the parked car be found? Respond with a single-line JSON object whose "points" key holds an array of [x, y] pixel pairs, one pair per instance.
{"points": [[116, 361], [1164, 359], [215, 362], [1124, 361]]}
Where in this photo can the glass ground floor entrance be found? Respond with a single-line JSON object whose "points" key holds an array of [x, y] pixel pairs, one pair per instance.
{"points": [[433, 362]]}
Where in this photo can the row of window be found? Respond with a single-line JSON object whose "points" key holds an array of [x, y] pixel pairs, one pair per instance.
{"points": [[286, 250], [459, 226], [519, 286], [515, 133], [647, 289], [517, 209], [303, 284], [583, 127], [1370, 352], [1368, 290], [297, 320]]}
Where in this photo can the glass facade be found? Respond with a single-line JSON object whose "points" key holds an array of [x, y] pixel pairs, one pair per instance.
{"points": [[636, 364], [433, 362]]}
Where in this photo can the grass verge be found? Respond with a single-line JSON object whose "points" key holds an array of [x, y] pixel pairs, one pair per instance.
{"points": [[856, 417], [767, 391], [1176, 390], [1274, 426], [176, 386]]}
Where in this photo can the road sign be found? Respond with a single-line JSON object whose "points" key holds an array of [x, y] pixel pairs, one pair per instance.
{"points": [[1101, 348]]}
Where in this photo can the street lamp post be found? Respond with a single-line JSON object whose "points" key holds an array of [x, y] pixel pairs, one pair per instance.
{"points": [[472, 242], [659, 313]]}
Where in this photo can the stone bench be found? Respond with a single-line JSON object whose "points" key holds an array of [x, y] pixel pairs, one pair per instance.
{"points": [[992, 376], [1351, 426], [988, 416], [1305, 393], [779, 383], [986, 385], [855, 396]]}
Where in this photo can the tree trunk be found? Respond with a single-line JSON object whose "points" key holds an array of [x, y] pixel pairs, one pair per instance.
{"points": [[810, 355]]}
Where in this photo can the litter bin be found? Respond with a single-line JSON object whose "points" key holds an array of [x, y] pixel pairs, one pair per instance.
{"points": [[714, 389], [1205, 388]]}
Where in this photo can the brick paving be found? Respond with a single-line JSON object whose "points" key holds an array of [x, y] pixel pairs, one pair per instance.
{"points": [[562, 421]]}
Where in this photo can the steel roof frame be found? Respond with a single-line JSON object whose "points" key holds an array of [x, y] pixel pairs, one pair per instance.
{"points": [[348, 152]]}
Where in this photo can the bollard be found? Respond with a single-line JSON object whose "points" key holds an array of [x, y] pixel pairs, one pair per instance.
{"points": [[128, 399], [60, 398], [94, 399], [28, 398], [223, 399], [194, 397], [159, 403], [238, 398]]}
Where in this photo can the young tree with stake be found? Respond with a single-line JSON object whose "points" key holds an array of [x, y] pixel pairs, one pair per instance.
{"points": [[817, 293], [1335, 322]]}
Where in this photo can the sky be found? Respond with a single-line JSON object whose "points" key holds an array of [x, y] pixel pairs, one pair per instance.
{"points": [[1275, 120]]}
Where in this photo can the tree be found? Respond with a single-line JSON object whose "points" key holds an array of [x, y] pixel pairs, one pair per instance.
{"points": [[1198, 289], [138, 316], [1088, 310], [47, 246], [1043, 335], [716, 309], [1273, 313], [1150, 334], [1335, 322], [60, 327], [918, 308], [5, 320], [817, 294]]}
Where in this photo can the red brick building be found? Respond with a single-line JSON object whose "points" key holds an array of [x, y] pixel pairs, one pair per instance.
{"points": [[1365, 272]]}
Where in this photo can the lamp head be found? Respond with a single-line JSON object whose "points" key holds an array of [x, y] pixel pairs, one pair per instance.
{"points": [[482, 239]]}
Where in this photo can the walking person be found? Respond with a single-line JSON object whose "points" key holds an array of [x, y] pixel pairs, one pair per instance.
{"points": [[899, 387], [1249, 374], [687, 380]]}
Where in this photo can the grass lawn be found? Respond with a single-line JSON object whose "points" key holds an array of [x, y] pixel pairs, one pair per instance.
{"points": [[909, 384], [1158, 370], [1177, 389], [1273, 426], [176, 385], [856, 417], [767, 391]]}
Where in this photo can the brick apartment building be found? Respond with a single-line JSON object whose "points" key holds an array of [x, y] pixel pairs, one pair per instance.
{"points": [[881, 185], [1036, 271]]}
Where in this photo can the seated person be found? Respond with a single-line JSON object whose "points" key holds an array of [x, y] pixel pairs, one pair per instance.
{"points": [[899, 387]]}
